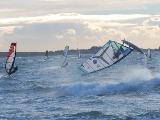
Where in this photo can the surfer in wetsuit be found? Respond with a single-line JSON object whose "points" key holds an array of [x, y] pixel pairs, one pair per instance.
{"points": [[13, 70], [118, 52], [46, 54], [10, 62]]}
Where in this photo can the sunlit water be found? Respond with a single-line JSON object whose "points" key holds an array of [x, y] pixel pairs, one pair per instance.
{"points": [[41, 90]]}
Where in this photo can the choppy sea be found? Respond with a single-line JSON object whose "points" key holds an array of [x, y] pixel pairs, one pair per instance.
{"points": [[42, 90]]}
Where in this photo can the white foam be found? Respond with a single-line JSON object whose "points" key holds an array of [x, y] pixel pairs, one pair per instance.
{"points": [[51, 68], [3, 75], [137, 73], [137, 79]]}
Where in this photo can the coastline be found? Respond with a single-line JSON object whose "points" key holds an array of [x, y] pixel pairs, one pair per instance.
{"points": [[92, 50]]}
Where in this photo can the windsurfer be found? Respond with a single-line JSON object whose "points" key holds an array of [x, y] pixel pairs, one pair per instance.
{"points": [[10, 62], [118, 52], [46, 54], [65, 63], [13, 70]]}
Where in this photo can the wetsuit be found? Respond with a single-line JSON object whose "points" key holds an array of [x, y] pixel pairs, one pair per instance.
{"points": [[118, 52], [13, 70]]}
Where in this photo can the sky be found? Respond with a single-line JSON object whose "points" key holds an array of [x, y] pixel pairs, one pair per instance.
{"points": [[39, 25]]}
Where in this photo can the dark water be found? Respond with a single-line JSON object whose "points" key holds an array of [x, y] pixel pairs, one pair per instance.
{"points": [[42, 90]]}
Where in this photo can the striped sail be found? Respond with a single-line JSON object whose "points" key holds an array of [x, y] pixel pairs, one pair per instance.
{"points": [[11, 58]]}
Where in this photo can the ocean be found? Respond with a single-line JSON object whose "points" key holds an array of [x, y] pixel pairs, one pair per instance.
{"points": [[42, 90]]}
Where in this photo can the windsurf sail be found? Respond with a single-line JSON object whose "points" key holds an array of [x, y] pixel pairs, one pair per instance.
{"points": [[133, 46], [10, 62], [46, 53], [149, 53], [65, 54], [79, 54], [111, 53]]}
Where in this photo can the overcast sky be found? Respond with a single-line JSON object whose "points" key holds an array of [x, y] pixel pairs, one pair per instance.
{"points": [[38, 25]]}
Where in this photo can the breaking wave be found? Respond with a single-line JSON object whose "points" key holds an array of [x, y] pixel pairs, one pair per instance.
{"points": [[140, 80]]}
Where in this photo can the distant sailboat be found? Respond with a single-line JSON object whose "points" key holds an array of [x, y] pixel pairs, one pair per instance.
{"points": [[10, 62], [65, 54]]}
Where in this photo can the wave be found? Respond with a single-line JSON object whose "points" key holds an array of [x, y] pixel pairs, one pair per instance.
{"points": [[137, 73], [3, 75], [82, 89], [94, 115], [154, 115], [142, 81], [51, 68]]}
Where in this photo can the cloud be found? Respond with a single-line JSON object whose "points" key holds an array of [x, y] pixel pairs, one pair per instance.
{"points": [[105, 6], [53, 32], [88, 7], [38, 25], [8, 10], [69, 16]]}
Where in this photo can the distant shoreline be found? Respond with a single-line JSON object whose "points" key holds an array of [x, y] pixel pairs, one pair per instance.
{"points": [[92, 50], [58, 52]]}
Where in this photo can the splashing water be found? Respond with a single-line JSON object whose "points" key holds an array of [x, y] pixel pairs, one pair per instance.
{"points": [[41, 89]]}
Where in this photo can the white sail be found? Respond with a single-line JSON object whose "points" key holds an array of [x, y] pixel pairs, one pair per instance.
{"points": [[149, 53], [111, 53], [79, 54], [65, 53]]}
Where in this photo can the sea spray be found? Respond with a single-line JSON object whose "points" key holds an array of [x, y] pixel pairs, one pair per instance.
{"points": [[138, 79], [137, 73]]}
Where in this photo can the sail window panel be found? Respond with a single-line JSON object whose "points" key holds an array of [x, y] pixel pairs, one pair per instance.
{"points": [[101, 50], [115, 46], [107, 58], [103, 63], [87, 67], [110, 52]]}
